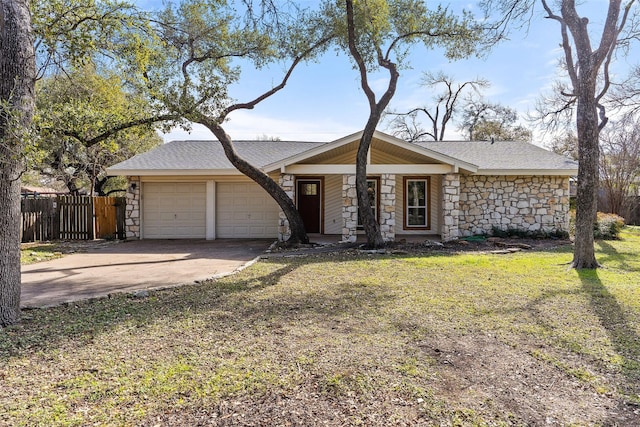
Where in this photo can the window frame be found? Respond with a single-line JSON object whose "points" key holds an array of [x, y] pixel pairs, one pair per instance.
{"points": [[427, 206]]}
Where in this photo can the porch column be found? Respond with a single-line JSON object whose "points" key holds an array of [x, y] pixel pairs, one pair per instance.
{"points": [[287, 183], [132, 210], [388, 206], [450, 207], [349, 209]]}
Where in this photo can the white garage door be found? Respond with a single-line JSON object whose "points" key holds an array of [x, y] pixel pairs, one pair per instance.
{"points": [[245, 210], [174, 210]]}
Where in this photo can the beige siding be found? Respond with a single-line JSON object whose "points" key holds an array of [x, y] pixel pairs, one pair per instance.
{"points": [[434, 197], [340, 159], [381, 158], [436, 203], [333, 204]]}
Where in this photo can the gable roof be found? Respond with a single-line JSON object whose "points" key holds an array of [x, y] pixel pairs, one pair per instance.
{"points": [[478, 157], [389, 139]]}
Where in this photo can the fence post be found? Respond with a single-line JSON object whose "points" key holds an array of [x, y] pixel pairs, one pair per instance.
{"points": [[91, 216]]}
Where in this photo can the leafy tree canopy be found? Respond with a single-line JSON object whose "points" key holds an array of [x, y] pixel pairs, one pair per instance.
{"points": [[76, 115], [73, 33]]}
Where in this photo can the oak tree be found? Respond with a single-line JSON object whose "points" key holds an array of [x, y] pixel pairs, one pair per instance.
{"points": [[37, 39], [483, 121], [378, 35], [76, 107], [17, 97], [588, 54], [203, 48]]}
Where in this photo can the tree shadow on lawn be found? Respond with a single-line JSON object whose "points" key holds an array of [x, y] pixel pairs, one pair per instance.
{"points": [[83, 322], [623, 260], [621, 332]]}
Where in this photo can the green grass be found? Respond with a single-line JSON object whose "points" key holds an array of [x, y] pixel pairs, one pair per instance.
{"points": [[342, 339], [33, 253]]}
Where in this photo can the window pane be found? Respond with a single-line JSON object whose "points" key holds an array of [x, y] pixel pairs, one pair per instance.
{"points": [[416, 193], [310, 189], [417, 217]]}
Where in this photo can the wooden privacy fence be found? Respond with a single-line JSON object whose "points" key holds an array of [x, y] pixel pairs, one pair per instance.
{"points": [[72, 218], [39, 219]]}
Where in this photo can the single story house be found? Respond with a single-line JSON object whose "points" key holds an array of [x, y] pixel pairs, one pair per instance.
{"points": [[450, 189]]}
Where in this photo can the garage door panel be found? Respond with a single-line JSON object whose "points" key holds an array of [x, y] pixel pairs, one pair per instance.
{"points": [[174, 210], [245, 210]]}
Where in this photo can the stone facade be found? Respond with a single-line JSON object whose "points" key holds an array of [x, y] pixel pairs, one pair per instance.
{"points": [[388, 207], [132, 210], [288, 184], [450, 207], [349, 209], [470, 205], [525, 203]]}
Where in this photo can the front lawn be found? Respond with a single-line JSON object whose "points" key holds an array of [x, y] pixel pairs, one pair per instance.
{"points": [[36, 252], [429, 338]]}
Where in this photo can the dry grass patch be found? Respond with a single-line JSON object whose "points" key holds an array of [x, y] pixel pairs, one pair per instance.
{"points": [[344, 339]]}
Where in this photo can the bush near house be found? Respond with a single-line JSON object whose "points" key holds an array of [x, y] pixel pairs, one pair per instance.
{"points": [[607, 226]]}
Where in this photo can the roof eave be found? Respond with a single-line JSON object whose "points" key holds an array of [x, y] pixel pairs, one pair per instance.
{"points": [[171, 172], [528, 172]]}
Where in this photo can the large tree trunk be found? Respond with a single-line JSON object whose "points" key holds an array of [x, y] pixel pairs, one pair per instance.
{"points": [[369, 221], [17, 79], [587, 191], [296, 226], [583, 69], [368, 218]]}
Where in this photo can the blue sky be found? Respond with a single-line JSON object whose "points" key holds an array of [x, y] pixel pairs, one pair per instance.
{"points": [[323, 100]]}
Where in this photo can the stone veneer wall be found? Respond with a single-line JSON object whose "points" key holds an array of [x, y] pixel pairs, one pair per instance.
{"points": [[527, 203], [132, 210], [388, 207], [450, 207], [288, 184], [349, 209]]}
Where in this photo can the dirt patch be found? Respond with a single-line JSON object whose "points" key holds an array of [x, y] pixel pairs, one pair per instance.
{"points": [[482, 369], [304, 407], [479, 377]]}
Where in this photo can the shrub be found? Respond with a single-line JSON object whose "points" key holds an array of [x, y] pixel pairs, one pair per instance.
{"points": [[606, 227], [519, 233]]}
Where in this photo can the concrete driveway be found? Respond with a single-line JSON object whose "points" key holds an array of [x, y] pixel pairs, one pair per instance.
{"points": [[134, 265]]}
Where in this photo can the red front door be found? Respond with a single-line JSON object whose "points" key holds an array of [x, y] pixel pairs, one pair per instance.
{"points": [[309, 204]]}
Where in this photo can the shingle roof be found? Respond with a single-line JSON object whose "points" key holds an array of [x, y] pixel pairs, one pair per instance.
{"points": [[207, 155], [501, 155]]}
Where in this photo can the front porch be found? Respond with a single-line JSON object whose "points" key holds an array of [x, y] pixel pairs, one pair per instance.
{"points": [[411, 207]]}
